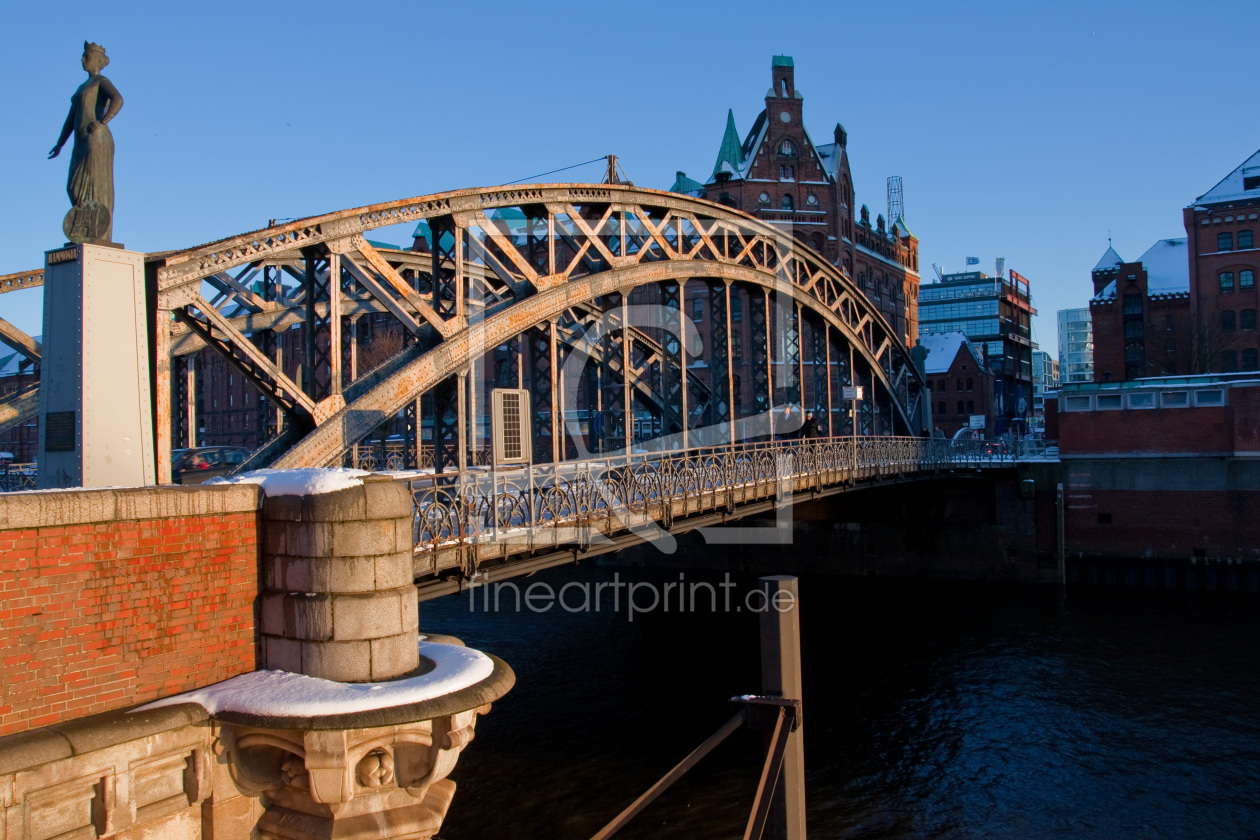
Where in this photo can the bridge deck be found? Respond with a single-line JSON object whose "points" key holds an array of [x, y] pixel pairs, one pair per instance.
{"points": [[501, 523]]}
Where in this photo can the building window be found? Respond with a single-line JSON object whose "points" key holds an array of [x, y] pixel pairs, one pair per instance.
{"points": [[940, 408], [1133, 330], [697, 310], [1170, 323], [787, 148], [737, 345], [1249, 360], [958, 386], [1229, 361], [1227, 320], [787, 203], [1170, 347], [969, 386], [1132, 304], [940, 386], [1244, 239], [1227, 281], [1247, 319], [1246, 279], [961, 407], [737, 308], [971, 407], [1225, 241]]}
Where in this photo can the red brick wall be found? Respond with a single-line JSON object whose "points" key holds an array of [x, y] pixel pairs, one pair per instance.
{"points": [[98, 616], [1132, 523], [1170, 430]]}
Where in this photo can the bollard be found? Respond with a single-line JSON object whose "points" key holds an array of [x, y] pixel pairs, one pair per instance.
{"points": [[781, 677]]}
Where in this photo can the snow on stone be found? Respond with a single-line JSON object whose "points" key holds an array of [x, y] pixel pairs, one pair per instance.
{"points": [[283, 694], [307, 481]]}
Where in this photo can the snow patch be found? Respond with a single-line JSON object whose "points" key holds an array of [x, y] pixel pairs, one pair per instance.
{"points": [[307, 481], [284, 694]]}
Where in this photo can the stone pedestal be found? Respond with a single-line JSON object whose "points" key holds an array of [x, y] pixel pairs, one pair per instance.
{"points": [[338, 600], [95, 414]]}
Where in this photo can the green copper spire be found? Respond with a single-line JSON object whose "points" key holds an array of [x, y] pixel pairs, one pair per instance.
{"points": [[732, 152]]}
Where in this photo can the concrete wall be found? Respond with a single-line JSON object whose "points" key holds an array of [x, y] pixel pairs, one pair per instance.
{"points": [[110, 598]]}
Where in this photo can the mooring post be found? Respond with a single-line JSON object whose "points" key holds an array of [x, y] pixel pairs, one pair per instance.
{"points": [[781, 677], [1060, 546]]}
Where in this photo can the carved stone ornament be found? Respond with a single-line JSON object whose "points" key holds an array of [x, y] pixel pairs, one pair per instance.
{"points": [[386, 781]]}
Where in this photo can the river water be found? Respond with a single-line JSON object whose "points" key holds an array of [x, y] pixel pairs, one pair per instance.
{"points": [[932, 709]]}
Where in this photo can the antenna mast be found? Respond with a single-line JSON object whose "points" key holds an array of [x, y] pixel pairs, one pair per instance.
{"points": [[896, 207]]}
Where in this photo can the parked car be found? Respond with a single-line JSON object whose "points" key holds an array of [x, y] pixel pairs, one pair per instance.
{"points": [[197, 466]]}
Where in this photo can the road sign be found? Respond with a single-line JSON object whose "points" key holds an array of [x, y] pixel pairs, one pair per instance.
{"points": [[977, 421], [852, 392]]}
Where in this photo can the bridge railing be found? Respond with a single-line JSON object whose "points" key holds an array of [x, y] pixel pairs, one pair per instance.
{"points": [[628, 490]]}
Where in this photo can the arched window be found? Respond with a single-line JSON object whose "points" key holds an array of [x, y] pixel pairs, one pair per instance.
{"points": [[1247, 319], [1227, 281], [940, 386], [1229, 361], [940, 408], [787, 148], [1244, 239], [1246, 279], [969, 386], [961, 407], [959, 385], [1249, 361], [971, 407], [1227, 320], [1225, 241], [787, 203]]}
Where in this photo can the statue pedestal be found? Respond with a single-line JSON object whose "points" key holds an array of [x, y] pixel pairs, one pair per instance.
{"points": [[95, 413]]}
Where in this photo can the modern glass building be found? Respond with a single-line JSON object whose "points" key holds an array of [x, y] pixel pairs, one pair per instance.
{"points": [[995, 313], [1076, 346], [1045, 378]]}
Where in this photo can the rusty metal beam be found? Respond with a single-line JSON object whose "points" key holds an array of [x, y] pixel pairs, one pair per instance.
{"points": [[20, 341], [21, 280], [19, 407]]}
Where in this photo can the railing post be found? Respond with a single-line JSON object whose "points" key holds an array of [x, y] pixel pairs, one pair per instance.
{"points": [[781, 677]]}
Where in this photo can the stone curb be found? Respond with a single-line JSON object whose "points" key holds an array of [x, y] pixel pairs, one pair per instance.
{"points": [[49, 508]]}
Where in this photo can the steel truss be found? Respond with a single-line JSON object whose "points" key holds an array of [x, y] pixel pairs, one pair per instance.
{"points": [[521, 268]]}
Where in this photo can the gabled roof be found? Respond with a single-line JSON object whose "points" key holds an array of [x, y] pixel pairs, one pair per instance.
{"points": [[1231, 186], [1167, 270], [1109, 260], [1167, 265], [943, 348], [901, 225], [730, 157], [686, 186]]}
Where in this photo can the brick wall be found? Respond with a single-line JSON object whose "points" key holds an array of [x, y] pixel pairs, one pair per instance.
{"points": [[1168, 430], [110, 598]]}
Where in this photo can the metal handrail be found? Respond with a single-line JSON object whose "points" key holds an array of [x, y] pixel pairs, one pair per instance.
{"points": [[625, 488]]}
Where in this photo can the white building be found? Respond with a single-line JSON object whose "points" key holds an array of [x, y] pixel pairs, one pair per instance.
{"points": [[1076, 346], [1045, 378]]}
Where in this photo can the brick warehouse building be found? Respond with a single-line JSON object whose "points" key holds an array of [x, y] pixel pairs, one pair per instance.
{"points": [[779, 175], [1186, 306]]}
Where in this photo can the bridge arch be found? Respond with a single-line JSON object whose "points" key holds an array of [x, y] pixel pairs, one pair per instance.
{"points": [[491, 266]]}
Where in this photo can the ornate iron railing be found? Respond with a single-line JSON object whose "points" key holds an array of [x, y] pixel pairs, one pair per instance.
{"points": [[650, 489]]}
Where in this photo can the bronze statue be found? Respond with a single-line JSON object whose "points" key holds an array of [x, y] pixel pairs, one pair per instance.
{"points": [[91, 181]]}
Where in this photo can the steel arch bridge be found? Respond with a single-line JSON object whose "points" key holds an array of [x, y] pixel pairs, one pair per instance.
{"points": [[586, 295]]}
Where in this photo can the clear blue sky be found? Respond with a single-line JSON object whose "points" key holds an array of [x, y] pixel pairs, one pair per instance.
{"points": [[1021, 130]]}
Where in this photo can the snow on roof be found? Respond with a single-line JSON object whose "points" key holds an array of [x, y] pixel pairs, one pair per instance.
{"points": [[1167, 270], [307, 481], [283, 694], [942, 349], [11, 364], [1167, 264], [1232, 185], [1109, 260]]}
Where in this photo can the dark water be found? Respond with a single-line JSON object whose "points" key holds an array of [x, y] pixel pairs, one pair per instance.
{"points": [[932, 709]]}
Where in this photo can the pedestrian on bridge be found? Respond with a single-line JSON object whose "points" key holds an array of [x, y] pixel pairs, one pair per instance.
{"points": [[810, 428]]}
